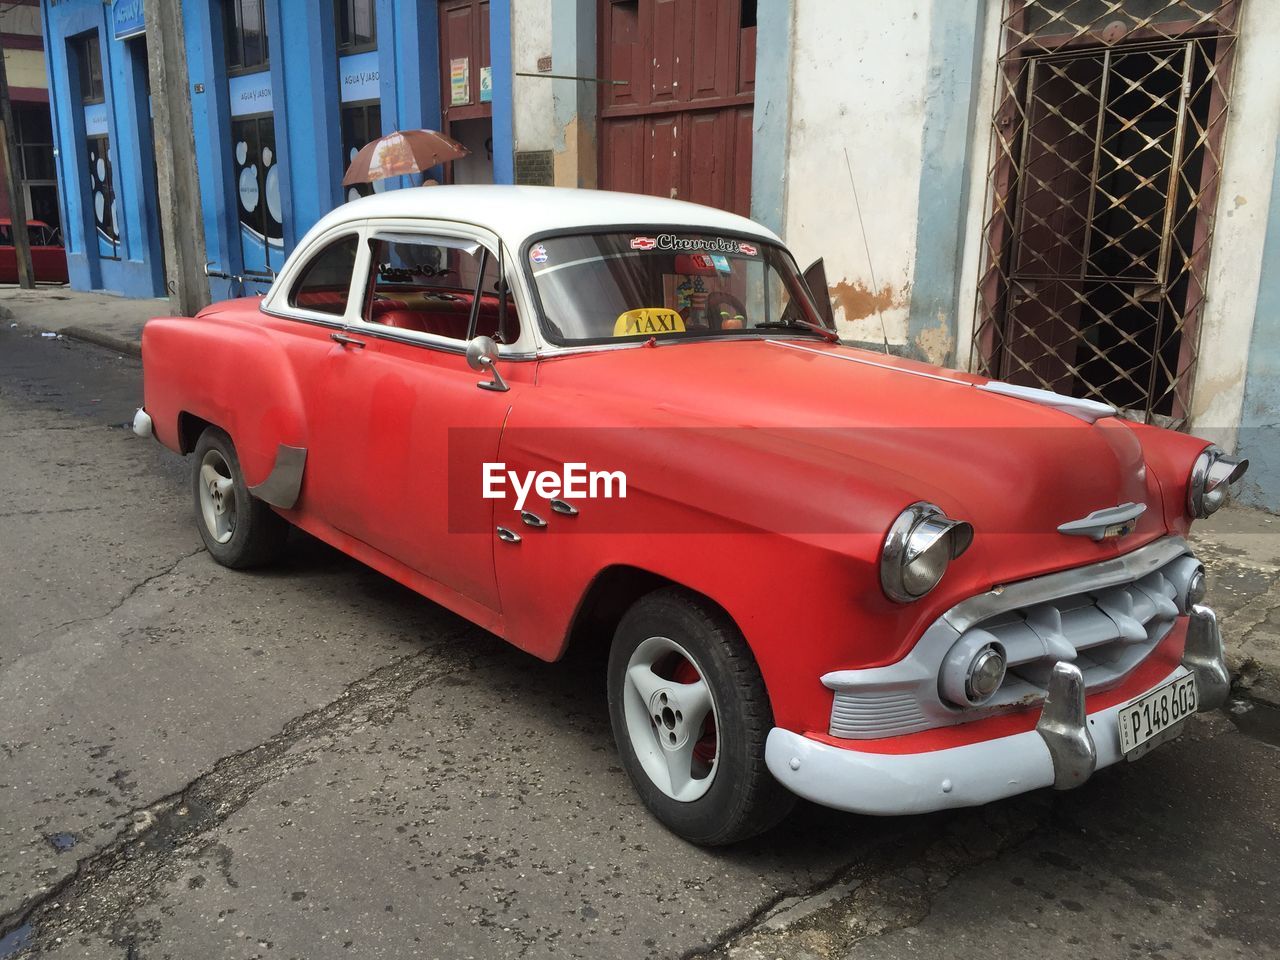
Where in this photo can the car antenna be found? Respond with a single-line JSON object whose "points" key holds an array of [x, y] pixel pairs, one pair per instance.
{"points": [[866, 246]]}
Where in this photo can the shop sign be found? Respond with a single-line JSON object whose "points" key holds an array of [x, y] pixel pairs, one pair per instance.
{"points": [[486, 84], [358, 77], [250, 93], [127, 19], [460, 82], [95, 120]]}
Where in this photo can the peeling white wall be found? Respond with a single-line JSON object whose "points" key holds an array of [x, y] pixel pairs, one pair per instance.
{"points": [[1235, 267], [858, 83], [532, 107]]}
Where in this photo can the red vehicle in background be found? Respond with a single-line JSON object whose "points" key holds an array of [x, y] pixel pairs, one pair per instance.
{"points": [[48, 256]]}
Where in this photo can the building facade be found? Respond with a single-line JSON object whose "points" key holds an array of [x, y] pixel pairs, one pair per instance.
{"points": [[282, 93], [1078, 195], [1071, 194]]}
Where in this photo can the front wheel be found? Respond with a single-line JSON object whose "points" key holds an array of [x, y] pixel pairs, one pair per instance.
{"points": [[238, 529], [690, 715]]}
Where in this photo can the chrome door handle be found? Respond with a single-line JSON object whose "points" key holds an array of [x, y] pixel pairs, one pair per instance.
{"points": [[346, 341], [508, 536]]}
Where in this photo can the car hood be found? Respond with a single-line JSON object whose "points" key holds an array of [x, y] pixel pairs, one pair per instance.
{"points": [[854, 437]]}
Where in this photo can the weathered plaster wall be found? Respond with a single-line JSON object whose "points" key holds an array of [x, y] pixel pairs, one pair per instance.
{"points": [[532, 104], [1243, 215], [852, 90]]}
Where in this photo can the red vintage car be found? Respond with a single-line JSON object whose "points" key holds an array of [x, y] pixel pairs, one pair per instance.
{"points": [[594, 418], [48, 258]]}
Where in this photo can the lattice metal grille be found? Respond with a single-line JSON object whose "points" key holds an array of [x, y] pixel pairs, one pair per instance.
{"points": [[1105, 164]]}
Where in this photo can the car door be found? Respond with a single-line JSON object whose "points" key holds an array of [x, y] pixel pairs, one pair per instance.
{"points": [[407, 410]]}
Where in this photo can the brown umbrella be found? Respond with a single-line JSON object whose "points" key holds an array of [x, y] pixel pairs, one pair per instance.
{"points": [[403, 153]]}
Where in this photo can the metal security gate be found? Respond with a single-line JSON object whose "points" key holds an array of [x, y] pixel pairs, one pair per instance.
{"points": [[1105, 165]]}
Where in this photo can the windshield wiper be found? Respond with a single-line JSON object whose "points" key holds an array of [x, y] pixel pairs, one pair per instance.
{"points": [[829, 335]]}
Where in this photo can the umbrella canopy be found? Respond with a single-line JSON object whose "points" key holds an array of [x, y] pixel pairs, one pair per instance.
{"points": [[402, 153]]}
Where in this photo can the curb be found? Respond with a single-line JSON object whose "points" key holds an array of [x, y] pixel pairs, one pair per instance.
{"points": [[119, 344]]}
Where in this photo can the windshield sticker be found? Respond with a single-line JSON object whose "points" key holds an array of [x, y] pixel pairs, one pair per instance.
{"points": [[703, 245], [691, 292], [538, 254], [722, 263], [648, 321]]}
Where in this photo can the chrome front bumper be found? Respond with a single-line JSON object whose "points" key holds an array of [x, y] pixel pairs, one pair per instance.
{"points": [[1063, 751]]}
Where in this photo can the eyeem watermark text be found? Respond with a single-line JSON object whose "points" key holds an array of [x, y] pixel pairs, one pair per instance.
{"points": [[575, 482]]}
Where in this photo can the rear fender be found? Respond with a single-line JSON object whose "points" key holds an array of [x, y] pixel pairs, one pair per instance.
{"points": [[230, 373]]}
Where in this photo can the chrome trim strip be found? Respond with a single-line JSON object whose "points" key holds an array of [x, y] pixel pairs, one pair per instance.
{"points": [[1026, 593], [872, 363], [284, 483], [1090, 411]]}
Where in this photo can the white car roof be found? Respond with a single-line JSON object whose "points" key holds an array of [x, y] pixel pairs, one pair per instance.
{"points": [[516, 213]]}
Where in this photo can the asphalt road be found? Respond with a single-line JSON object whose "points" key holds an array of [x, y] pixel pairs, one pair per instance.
{"points": [[315, 762]]}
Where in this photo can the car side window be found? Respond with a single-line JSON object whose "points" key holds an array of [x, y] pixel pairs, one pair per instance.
{"points": [[325, 283], [443, 286]]}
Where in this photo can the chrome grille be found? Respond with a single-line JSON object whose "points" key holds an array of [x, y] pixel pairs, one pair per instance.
{"points": [[1103, 621], [1105, 634]]}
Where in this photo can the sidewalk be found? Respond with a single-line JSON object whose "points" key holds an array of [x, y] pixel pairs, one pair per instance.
{"points": [[100, 318], [1240, 546]]}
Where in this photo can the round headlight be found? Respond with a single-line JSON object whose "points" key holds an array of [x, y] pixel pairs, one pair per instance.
{"points": [[920, 545], [1210, 484]]}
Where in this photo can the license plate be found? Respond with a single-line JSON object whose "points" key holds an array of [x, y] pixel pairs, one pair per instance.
{"points": [[1157, 712]]}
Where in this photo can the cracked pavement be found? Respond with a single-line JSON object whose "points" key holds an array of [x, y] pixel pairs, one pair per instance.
{"points": [[315, 762]]}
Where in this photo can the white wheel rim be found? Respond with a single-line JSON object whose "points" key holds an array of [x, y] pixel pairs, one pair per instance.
{"points": [[217, 496], [671, 724]]}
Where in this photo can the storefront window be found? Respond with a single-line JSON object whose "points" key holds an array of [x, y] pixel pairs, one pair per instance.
{"points": [[89, 55], [246, 35], [39, 173], [102, 194], [357, 23], [258, 192], [361, 124]]}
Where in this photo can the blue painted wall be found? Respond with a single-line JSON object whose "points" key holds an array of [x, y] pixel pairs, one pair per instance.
{"points": [[1260, 419], [771, 124], [305, 104], [955, 60]]}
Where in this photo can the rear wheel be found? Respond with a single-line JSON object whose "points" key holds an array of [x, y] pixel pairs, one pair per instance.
{"points": [[691, 715], [238, 529]]}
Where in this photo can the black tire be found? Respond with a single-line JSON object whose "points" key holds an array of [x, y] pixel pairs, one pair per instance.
{"points": [[258, 533], [743, 799]]}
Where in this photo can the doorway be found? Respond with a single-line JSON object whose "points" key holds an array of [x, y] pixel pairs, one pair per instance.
{"points": [[466, 88], [677, 107], [1106, 162]]}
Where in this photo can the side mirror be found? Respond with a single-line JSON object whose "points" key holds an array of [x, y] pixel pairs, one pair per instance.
{"points": [[482, 356]]}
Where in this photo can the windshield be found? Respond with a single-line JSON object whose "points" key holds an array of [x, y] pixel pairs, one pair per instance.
{"points": [[615, 287]]}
